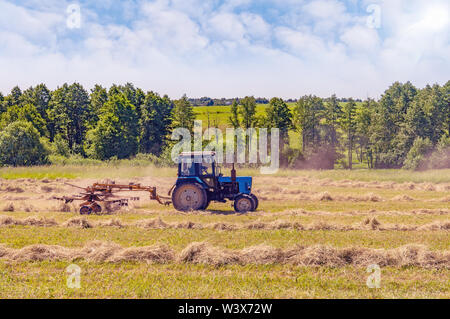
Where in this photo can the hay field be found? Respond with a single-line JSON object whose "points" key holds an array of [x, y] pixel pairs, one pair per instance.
{"points": [[313, 236]]}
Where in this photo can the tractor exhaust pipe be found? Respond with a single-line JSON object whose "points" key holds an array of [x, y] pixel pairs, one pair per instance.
{"points": [[233, 179]]}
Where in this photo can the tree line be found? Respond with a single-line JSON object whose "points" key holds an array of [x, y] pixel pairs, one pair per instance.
{"points": [[407, 127]]}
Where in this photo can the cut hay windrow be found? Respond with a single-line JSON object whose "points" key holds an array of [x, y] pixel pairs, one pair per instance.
{"points": [[307, 181], [327, 197], [370, 223], [30, 221], [302, 212], [320, 197], [204, 253]]}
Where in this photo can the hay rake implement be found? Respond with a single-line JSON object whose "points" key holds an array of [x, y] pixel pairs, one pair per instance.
{"points": [[106, 193], [199, 183]]}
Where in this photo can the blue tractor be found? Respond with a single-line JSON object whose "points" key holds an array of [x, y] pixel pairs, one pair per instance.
{"points": [[200, 182]]}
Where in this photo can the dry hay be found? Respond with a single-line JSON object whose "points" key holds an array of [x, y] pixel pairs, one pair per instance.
{"points": [[110, 252], [14, 189], [370, 223], [325, 196], [429, 187], [37, 252], [309, 181], [402, 198], [64, 208], [46, 189], [223, 226], [437, 225], [156, 223], [111, 208], [93, 252], [261, 254], [8, 207], [302, 212], [29, 221], [445, 199], [371, 197], [115, 222], [30, 208], [204, 253], [78, 222]]}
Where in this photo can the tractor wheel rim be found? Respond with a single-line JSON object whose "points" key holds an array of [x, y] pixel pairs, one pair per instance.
{"points": [[190, 198], [244, 204]]}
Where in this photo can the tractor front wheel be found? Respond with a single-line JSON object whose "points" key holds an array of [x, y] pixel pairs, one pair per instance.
{"points": [[244, 203], [188, 197]]}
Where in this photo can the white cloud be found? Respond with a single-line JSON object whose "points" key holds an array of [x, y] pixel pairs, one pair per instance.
{"points": [[227, 49], [360, 38], [326, 9]]}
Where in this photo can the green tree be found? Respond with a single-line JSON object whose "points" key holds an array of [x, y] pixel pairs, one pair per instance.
{"points": [[14, 98], [38, 96], [2, 107], [332, 112], [307, 115], [388, 136], [135, 95], [421, 147], [425, 118], [183, 114], [348, 124], [279, 116], [20, 145], [27, 113], [98, 98], [234, 117], [69, 114], [248, 112], [364, 115], [156, 121], [446, 110], [117, 131]]}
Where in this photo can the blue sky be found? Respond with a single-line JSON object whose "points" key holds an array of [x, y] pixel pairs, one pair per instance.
{"points": [[227, 48]]}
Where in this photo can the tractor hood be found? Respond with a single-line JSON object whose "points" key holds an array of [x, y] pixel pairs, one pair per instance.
{"points": [[244, 182]]}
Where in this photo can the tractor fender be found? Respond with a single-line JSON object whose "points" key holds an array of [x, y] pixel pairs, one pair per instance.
{"points": [[191, 180]]}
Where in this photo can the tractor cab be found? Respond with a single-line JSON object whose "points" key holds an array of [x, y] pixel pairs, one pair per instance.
{"points": [[200, 181], [200, 166]]}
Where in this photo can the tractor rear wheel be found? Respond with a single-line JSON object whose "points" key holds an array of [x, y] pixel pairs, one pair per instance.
{"points": [[244, 203], [187, 197]]}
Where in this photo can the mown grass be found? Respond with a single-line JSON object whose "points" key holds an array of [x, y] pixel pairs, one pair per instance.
{"points": [[140, 215], [105, 280], [329, 206], [128, 171], [140, 280], [20, 236]]}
